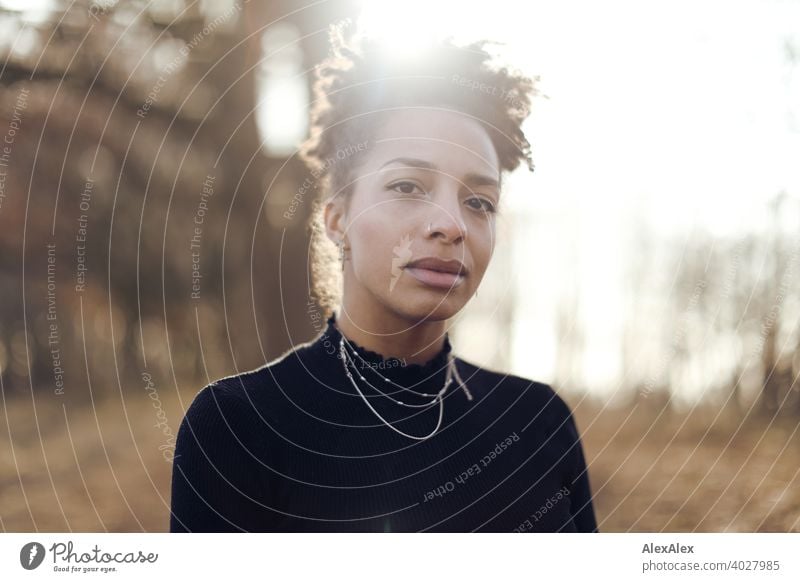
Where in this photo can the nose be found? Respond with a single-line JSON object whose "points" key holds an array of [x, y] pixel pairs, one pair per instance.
{"points": [[446, 223]]}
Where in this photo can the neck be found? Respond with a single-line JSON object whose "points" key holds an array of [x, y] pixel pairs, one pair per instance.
{"points": [[393, 337]]}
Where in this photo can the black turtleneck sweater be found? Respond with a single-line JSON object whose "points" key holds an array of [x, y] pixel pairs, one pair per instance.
{"points": [[293, 447]]}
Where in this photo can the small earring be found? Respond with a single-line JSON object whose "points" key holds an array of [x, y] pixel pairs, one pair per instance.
{"points": [[341, 252]]}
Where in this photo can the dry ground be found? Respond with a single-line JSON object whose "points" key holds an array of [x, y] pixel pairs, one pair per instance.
{"points": [[84, 468]]}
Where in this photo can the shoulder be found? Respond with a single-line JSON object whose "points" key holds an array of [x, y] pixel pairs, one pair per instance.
{"points": [[217, 409], [243, 386], [222, 424], [537, 398], [246, 393], [218, 395]]}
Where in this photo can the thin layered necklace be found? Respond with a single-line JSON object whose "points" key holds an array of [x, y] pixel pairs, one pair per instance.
{"points": [[348, 355]]}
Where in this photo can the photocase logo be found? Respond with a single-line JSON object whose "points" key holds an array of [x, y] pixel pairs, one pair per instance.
{"points": [[402, 253], [31, 555]]}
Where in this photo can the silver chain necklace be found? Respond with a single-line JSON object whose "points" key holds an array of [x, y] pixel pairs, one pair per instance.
{"points": [[386, 380], [451, 371]]}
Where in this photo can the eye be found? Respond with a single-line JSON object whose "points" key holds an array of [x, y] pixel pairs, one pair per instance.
{"points": [[481, 204], [405, 187]]}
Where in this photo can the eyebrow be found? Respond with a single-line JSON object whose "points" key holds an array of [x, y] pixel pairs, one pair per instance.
{"points": [[470, 178]]}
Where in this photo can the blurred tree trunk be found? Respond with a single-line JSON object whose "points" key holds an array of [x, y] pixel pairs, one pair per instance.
{"points": [[88, 79]]}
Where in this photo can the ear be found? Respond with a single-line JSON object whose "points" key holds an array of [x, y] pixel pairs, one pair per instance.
{"points": [[335, 215]]}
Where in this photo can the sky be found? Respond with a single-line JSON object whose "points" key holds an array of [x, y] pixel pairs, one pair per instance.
{"points": [[673, 118]]}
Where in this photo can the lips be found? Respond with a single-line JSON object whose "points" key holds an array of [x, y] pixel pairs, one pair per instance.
{"points": [[436, 272], [453, 266]]}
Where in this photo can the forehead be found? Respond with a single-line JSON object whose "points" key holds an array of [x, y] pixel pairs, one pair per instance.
{"points": [[454, 142]]}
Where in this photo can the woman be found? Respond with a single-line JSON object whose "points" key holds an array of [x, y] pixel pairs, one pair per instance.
{"points": [[375, 425]]}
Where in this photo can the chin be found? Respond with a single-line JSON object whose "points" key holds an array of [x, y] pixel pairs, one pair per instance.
{"points": [[416, 307]]}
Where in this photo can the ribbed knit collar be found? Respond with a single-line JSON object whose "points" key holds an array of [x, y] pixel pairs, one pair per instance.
{"points": [[428, 377]]}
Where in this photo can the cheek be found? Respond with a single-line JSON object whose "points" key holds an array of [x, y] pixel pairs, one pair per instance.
{"points": [[375, 234], [482, 247]]}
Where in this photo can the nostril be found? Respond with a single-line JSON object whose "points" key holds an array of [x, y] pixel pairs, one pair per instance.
{"points": [[453, 230]]}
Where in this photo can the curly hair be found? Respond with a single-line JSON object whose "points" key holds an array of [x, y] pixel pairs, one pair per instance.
{"points": [[357, 82]]}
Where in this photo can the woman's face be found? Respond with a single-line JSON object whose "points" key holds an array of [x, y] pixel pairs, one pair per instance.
{"points": [[426, 189]]}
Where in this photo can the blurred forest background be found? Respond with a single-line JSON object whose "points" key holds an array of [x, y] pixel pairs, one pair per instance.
{"points": [[145, 249]]}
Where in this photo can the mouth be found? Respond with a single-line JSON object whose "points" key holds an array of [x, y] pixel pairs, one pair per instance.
{"points": [[438, 273]]}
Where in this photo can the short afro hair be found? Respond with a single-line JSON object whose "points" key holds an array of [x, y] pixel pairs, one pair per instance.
{"points": [[358, 82]]}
